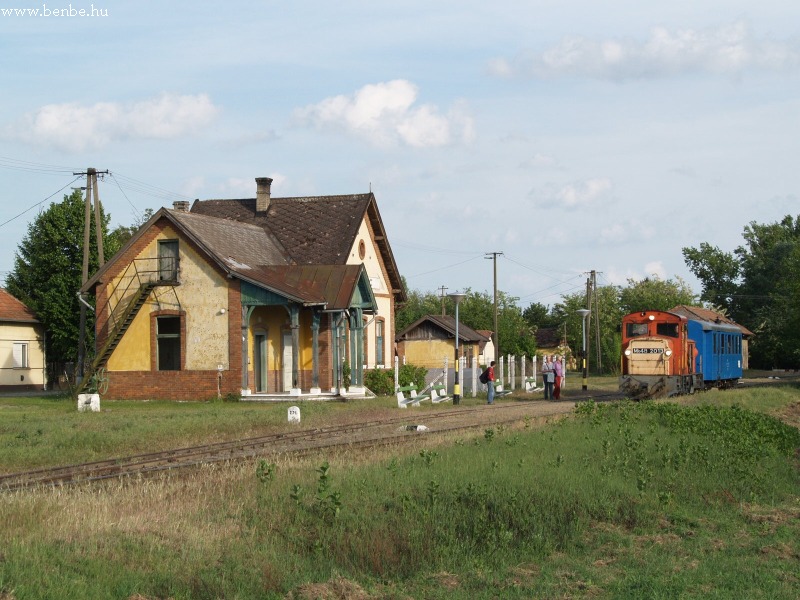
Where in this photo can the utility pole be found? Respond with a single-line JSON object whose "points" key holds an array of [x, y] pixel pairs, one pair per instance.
{"points": [[589, 332], [493, 256], [91, 184], [442, 289], [596, 321]]}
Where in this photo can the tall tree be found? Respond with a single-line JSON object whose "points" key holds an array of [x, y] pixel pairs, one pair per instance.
{"points": [[476, 310], [761, 279], [610, 316], [652, 293], [717, 271], [538, 315], [767, 297], [47, 273]]}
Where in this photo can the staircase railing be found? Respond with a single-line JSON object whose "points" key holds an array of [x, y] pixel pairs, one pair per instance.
{"points": [[131, 291]]}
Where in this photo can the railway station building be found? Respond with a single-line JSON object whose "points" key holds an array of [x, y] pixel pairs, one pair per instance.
{"points": [[263, 298]]}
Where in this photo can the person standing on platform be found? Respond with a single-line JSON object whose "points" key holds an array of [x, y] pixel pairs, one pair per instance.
{"points": [[558, 371], [490, 383], [548, 377]]}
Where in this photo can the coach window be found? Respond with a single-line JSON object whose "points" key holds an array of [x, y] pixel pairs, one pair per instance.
{"points": [[168, 337]]}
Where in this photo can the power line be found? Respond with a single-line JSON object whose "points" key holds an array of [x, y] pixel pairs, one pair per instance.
{"points": [[38, 203], [7, 162], [443, 268]]}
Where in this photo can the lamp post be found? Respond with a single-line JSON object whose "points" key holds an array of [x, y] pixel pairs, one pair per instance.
{"points": [[457, 298], [584, 313]]}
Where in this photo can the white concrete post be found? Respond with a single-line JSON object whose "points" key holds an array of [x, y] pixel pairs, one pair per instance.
{"points": [[396, 373], [474, 376]]}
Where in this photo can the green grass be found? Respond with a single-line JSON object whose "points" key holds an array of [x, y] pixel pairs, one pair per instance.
{"points": [[37, 432], [647, 500]]}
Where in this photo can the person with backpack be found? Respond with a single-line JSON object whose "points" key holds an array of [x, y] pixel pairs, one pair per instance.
{"points": [[487, 377]]}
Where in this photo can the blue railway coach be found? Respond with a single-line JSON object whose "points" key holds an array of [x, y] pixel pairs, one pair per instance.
{"points": [[719, 352]]}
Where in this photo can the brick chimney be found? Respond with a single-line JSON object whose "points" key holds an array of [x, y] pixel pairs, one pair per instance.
{"points": [[181, 205], [262, 194]]}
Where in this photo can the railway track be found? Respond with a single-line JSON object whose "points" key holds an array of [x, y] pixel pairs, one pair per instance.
{"points": [[355, 435]]}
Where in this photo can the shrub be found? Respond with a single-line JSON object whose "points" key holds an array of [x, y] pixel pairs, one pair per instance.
{"points": [[380, 381], [412, 375]]}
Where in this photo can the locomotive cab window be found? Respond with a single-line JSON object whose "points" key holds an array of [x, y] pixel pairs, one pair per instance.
{"points": [[667, 329], [634, 329]]}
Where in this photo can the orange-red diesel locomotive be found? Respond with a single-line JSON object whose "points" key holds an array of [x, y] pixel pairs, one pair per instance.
{"points": [[658, 356]]}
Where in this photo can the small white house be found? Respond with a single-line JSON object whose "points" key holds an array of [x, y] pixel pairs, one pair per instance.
{"points": [[22, 360]]}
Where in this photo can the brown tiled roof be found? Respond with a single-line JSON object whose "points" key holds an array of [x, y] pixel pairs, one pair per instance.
{"points": [[12, 309], [704, 314], [315, 230], [448, 324], [332, 285], [236, 243]]}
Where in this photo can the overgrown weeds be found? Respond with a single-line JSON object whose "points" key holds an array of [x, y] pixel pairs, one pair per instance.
{"points": [[623, 500]]}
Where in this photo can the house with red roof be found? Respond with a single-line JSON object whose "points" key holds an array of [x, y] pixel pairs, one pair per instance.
{"points": [[259, 297], [22, 346]]}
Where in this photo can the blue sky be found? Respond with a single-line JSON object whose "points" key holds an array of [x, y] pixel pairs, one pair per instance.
{"points": [[570, 136]]}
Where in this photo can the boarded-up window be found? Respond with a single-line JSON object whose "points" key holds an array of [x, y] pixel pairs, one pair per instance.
{"points": [[20, 355], [168, 260]]}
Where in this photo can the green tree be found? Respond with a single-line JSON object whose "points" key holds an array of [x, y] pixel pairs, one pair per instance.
{"points": [[476, 310], [767, 296], [655, 294], [758, 285], [122, 233], [608, 312], [47, 273], [538, 315], [418, 305], [717, 271]]}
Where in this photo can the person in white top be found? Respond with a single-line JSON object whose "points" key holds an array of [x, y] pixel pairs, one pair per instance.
{"points": [[548, 377]]}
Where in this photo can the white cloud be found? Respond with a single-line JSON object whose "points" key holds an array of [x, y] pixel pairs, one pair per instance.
{"points": [[656, 269], [729, 49], [583, 193], [78, 127], [387, 114], [627, 231], [539, 161], [620, 277]]}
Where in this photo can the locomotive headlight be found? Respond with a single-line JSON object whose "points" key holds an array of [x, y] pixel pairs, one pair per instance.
{"points": [[628, 352], [668, 353]]}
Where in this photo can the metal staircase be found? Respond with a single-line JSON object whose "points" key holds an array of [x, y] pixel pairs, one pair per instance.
{"points": [[124, 313]]}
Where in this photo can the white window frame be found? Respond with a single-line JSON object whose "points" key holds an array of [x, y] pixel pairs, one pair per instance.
{"points": [[20, 355]]}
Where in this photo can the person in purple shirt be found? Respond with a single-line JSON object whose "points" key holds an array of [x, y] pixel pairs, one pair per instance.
{"points": [[558, 370]]}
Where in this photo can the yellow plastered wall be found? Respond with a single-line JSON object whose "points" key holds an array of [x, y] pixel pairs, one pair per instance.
{"points": [[27, 334], [274, 320], [429, 353], [202, 294], [382, 292]]}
